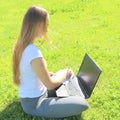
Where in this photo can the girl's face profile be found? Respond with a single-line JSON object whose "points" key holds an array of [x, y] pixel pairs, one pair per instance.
{"points": [[40, 30]]}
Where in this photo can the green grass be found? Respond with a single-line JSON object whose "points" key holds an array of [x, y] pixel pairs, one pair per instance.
{"points": [[76, 27]]}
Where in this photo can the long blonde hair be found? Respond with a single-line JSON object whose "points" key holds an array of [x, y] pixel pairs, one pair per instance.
{"points": [[34, 16]]}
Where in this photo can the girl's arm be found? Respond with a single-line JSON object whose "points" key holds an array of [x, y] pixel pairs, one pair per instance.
{"points": [[41, 71]]}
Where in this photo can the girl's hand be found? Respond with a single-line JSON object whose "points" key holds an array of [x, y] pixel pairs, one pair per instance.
{"points": [[51, 74], [67, 73]]}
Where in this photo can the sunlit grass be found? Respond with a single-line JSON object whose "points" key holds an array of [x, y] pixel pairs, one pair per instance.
{"points": [[76, 27]]}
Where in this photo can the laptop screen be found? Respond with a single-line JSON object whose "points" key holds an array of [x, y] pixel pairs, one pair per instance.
{"points": [[88, 73]]}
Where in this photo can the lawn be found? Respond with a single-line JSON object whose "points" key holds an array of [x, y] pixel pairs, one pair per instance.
{"points": [[76, 27]]}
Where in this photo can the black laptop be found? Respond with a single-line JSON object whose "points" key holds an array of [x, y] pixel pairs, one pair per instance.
{"points": [[84, 82]]}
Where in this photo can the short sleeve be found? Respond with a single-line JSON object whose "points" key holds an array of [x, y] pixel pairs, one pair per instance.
{"points": [[33, 52]]}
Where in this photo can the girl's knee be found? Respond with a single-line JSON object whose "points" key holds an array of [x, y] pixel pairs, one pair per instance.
{"points": [[81, 103], [84, 102]]}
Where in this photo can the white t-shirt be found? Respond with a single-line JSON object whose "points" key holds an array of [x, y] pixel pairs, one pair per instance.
{"points": [[30, 85]]}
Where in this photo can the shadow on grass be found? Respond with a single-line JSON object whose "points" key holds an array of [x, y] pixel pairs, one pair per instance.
{"points": [[14, 112]]}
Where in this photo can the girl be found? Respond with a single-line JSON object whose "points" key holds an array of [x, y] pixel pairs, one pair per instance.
{"points": [[31, 74]]}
